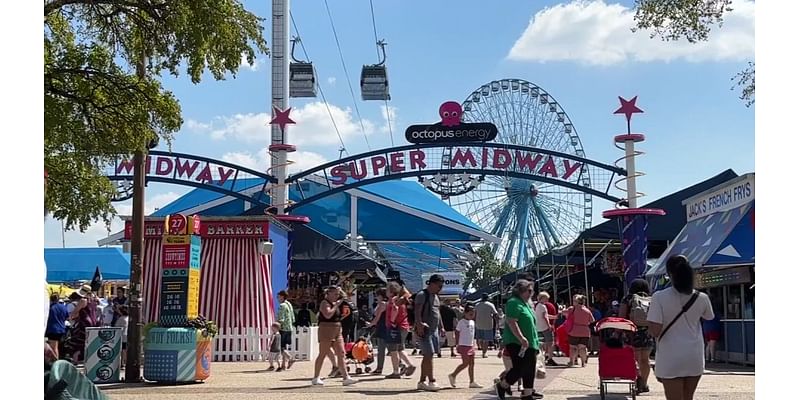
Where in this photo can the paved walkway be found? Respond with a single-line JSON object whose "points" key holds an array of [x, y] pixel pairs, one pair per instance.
{"points": [[251, 381]]}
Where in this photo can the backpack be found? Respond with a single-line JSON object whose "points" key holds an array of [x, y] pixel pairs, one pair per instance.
{"points": [[639, 307], [411, 311]]}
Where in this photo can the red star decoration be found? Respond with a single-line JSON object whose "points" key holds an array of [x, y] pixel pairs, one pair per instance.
{"points": [[281, 117], [628, 107]]}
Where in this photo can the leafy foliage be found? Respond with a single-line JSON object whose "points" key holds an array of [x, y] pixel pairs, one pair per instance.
{"points": [[677, 19], [747, 81], [486, 270], [96, 105], [691, 20]]}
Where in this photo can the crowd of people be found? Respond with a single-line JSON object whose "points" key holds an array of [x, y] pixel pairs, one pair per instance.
{"points": [[69, 317], [522, 330]]}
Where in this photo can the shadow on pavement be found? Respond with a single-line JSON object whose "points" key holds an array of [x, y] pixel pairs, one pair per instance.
{"points": [[378, 392]]}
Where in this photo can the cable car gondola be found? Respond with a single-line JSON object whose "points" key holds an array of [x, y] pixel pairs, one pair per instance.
{"points": [[374, 79], [302, 79]]}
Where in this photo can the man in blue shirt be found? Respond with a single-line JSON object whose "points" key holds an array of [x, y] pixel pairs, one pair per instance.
{"points": [[56, 323]]}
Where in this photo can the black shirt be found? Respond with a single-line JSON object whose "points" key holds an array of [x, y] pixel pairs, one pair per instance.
{"points": [[448, 317], [336, 317]]}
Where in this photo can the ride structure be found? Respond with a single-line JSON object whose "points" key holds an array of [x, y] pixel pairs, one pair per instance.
{"points": [[632, 220]]}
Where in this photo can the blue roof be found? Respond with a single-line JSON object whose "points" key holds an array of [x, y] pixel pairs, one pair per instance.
{"points": [[412, 194], [413, 259], [197, 197], [73, 264]]}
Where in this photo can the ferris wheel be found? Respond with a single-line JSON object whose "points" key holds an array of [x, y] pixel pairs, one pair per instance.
{"points": [[530, 217]]}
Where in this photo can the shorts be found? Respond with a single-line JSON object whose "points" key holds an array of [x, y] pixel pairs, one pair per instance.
{"points": [[484, 334], [546, 336], [329, 332], [712, 335], [392, 347], [55, 337], [286, 339], [465, 351], [642, 340], [273, 356], [451, 338], [577, 341], [429, 344]]}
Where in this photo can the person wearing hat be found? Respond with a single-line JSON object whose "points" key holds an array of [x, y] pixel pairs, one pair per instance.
{"points": [[84, 316], [427, 321]]}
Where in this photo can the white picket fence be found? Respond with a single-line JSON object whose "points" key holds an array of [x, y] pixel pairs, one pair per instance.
{"points": [[250, 344]]}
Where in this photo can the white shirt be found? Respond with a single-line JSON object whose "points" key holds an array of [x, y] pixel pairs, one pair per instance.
{"points": [[681, 351], [466, 332], [122, 322], [540, 312]]}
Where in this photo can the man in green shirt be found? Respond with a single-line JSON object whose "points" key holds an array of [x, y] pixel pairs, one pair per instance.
{"points": [[522, 342], [286, 319]]}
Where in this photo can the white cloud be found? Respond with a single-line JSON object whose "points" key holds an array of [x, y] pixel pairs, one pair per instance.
{"points": [[313, 126], [332, 80], [196, 126], [302, 160], [245, 65], [597, 33]]}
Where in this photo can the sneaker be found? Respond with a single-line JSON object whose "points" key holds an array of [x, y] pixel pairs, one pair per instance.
{"points": [[377, 372], [410, 370], [394, 376], [433, 387], [475, 385], [279, 369], [347, 381], [317, 382], [271, 369], [452, 379]]}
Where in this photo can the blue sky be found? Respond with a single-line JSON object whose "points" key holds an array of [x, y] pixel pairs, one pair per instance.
{"points": [[582, 53]]}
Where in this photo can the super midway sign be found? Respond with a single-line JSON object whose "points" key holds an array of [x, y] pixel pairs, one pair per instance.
{"points": [[479, 157]]}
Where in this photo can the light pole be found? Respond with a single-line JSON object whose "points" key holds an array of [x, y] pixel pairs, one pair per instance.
{"points": [[133, 363]]}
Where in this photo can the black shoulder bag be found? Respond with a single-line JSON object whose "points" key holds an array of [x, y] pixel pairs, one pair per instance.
{"points": [[685, 308]]}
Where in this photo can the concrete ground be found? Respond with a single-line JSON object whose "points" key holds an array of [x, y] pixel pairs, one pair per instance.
{"points": [[251, 381]]}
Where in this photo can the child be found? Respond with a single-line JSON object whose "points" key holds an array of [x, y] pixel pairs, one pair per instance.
{"points": [[274, 346], [122, 322], [465, 337]]}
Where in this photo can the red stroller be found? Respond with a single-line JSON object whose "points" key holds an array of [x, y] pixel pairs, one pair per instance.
{"points": [[617, 359], [359, 354]]}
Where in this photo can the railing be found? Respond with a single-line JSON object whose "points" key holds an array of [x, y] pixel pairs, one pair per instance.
{"points": [[251, 344]]}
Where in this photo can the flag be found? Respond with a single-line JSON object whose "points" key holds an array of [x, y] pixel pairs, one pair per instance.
{"points": [[97, 280]]}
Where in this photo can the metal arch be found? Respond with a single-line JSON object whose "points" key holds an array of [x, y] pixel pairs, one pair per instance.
{"points": [[227, 189], [258, 174], [409, 174], [320, 168], [260, 200]]}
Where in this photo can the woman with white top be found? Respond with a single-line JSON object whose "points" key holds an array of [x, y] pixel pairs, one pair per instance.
{"points": [[674, 318]]}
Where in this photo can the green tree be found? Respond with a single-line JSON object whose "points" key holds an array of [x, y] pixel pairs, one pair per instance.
{"points": [[692, 20], [485, 270], [96, 108]]}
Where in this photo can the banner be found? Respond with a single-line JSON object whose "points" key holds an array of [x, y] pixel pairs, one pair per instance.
{"points": [[453, 282], [103, 354]]}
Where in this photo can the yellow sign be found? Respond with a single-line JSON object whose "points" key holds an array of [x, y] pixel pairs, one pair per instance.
{"points": [[177, 239], [193, 293]]}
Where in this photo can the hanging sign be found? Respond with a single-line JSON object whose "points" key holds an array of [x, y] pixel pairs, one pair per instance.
{"points": [[453, 282], [734, 193], [451, 129]]}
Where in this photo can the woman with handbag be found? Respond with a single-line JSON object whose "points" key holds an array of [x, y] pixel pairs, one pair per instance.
{"points": [[579, 317], [397, 325], [674, 319]]}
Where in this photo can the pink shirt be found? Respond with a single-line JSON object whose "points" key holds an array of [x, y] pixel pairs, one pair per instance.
{"points": [[583, 317]]}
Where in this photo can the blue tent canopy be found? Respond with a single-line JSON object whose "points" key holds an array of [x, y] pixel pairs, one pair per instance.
{"points": [[74, 264], [723, 238]]}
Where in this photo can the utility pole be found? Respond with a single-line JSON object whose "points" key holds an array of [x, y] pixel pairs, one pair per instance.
{"points": [[133, 365]]}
